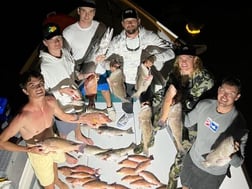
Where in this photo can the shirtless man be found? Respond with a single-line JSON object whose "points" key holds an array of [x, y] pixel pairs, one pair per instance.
{"points": [[34, 123]]}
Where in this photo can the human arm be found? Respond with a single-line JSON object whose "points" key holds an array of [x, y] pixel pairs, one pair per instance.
{"points": [[12, 130], [167, 102]]}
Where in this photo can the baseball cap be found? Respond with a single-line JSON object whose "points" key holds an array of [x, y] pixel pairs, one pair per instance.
{"points": [[87, 3], [50, 30], [129, 13]]}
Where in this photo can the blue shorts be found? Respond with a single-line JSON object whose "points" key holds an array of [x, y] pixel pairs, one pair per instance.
{"points": [[102, 84]]}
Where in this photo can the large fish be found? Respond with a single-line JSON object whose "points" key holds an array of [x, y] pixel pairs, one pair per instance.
{"points": [[143, 80], [221, 154], [117, 86], [58, 144], [145, 124], [116, 154], [175, 125], [93, 150]]}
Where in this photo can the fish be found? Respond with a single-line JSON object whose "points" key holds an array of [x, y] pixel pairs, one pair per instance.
{"points": [[175, 125], [58, 144], [86, 169], [81, 175], [117, 186], [220, 156], [145, 124], [113, 131], [131, 178], [140, 158], [93, 150], [95, 184], [143, 80], [150, 177], [115, 154], [128, 163], [143, 165], [90, 85], [79, 181], [127, 171], [141, 184], [65, 170], [91, 110], [116, 83]]}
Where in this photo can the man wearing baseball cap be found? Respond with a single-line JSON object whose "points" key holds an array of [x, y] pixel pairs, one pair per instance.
{"points": [[129, 44]]}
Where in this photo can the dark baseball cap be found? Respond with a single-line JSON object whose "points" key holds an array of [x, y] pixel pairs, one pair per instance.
{"points": [[50, 30], [129, 13], [87, 3]]}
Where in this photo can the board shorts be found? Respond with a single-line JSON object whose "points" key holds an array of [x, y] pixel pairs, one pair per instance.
{"points": [[43, 166]]}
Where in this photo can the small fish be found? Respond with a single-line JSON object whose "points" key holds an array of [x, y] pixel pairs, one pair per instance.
{"points": [[126, 171], [58, 144], [65, 170], [117, 86], [81, 175], [128, 163], [95, 184], [131, 178], [220, 156], [143, 165], [145, 124], [79, 181], [143, 80], [175, 125], [150, 177], [117, 186], [90, 85], [140, 158], [91, 110], [86, 169], [141, 184], [113, 131]]}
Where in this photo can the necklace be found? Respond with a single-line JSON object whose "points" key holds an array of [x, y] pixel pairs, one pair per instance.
{"points": [[133, 49]]}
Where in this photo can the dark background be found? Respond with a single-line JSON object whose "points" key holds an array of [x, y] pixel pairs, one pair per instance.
{"points": [[225, 32]]}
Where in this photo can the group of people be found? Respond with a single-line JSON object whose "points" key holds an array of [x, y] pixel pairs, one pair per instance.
{"points": [[55, 96]]}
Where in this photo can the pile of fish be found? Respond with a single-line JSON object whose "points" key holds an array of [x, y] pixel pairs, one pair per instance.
{"points": [[133, 171]]}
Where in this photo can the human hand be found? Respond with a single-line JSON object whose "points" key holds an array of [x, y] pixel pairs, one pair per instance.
{"points": [[95, 119], [74, 93], [100, 58]]}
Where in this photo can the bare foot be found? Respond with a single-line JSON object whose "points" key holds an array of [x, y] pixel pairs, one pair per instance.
{"points": [[61, 184], [70, 159], [85, 140]]}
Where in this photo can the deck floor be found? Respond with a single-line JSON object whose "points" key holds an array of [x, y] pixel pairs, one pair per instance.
{"points": [[163, 152]]}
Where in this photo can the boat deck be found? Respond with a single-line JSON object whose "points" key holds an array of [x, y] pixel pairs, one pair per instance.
{"points": [[163, 153]]}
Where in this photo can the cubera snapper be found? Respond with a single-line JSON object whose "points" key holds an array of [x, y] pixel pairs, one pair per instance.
{"points": [[116, 84], [58, 144], [220, 156], [143, 80]]}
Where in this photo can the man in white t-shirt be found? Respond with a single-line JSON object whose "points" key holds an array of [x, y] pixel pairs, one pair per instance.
{"points": [[79, 36]]}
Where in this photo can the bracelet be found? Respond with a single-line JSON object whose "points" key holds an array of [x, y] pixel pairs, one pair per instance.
{"points": [[77, 117]]}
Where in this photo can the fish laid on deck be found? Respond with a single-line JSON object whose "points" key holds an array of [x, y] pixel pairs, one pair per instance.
{"points": [[113, 131]]}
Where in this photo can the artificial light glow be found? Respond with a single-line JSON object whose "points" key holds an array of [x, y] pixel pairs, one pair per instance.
{"points": [[193, 30]]}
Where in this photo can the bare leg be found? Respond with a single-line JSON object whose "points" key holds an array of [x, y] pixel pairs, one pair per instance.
{"points": [[91, 101], [184, 187], [107, 97], [57, 181], [80, 137]]}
